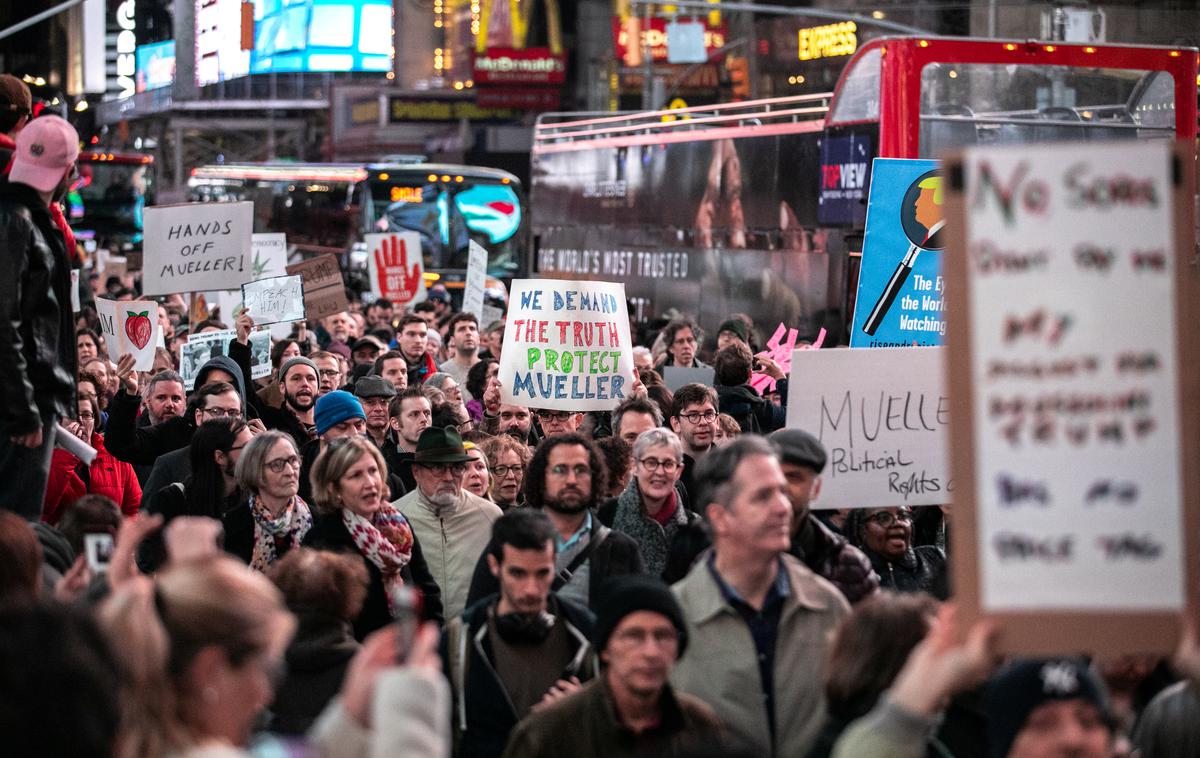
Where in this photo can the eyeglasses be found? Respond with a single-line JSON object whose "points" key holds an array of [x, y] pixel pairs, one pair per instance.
{"points": [[279, 464], [503, 471], [440, 469], [638, 637], [554, 415], [695, 418], [330, 373], [86, 415], [581, 471], [654, 464], [887, 518], [222, 412]]}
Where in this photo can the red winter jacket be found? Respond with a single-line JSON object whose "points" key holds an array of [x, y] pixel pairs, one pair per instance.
{"points": [[109, 477]]}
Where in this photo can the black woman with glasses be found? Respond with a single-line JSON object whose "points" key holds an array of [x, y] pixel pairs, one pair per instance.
{"points": [[886, 536]]}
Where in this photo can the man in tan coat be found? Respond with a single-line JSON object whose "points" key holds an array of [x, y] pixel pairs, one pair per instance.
{"points": [[759, 620]]}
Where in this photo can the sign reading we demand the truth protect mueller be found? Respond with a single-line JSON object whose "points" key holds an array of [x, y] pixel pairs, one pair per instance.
{"points": [[566, 346]]}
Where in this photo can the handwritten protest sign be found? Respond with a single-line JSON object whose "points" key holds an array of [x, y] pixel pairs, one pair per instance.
{"points": [[396, 266], [138, 332], [201, 348], [476, 280], [275, 300], [900, 287], [882, 416], [566, 346], [324, 290], [268, 255], [194, 247], [780, 350], [1069, 348], [106, 312]]}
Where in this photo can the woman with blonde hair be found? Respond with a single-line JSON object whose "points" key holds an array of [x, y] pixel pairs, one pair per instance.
{"points": [[349, 490], [201, 648]]}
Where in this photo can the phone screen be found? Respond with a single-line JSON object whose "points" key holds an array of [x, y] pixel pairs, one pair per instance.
{"points": [[99, 549]]}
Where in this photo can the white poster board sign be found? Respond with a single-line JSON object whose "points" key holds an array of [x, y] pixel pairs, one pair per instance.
{"points": [[396, 267], [275, 300], [1073, 363], [268, 255], [137, 332], [882, 415], [195, 247], [201, 348], [476, 281], [566, 346]]}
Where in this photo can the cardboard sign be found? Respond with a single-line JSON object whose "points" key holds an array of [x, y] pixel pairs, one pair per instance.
{"points": [[268, 255], [396, 266], [677, 376], [882, 416], [75, 290], [274, 300], [137, 332], [1072, 335], [194, 247], [201, 348], [324, 290], [566, 346], [476, 281], [900, 288]]}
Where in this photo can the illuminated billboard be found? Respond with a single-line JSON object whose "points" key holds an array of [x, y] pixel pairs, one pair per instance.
{"points": [[155, 65], [322, 35]]}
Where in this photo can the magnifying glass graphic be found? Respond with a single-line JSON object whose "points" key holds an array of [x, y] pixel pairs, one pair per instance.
{"points": [[922, 222]]}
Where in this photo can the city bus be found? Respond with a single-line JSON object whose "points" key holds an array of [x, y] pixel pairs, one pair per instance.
{"points": [[327, 208], [758, 207], [105, 205]]}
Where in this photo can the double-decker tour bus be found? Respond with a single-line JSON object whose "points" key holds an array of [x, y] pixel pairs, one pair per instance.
{"points": [[327, 208], [758, 206], [106, 203]]}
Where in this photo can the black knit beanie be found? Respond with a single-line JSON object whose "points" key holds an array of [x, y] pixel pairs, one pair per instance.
{"points": [[628, 594]]}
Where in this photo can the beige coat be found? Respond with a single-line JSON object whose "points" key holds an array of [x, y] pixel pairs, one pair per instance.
{"points": [[452, 539], [721, 665]]}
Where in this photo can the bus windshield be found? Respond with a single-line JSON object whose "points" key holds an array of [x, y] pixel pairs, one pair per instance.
{"points": [[108, 200], [975, 103]]}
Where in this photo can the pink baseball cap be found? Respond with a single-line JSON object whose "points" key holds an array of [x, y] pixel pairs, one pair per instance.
{"points": [[46, 147]]}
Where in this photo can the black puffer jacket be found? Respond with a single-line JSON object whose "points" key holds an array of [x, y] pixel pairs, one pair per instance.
{"points": [[920, 569], [753, 413], [37, 332]]}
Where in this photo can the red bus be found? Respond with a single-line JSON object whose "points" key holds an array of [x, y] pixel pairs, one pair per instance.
{"points": [[758, 207]]}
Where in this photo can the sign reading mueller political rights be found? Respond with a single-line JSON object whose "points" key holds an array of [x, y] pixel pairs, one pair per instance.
{"points": [[566, 346]]}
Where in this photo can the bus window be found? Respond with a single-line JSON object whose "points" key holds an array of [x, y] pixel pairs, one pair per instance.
{"points": [[966, 104], [108, 199], [858, 98]]}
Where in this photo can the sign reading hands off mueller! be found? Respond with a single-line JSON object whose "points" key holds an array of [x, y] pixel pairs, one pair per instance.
{"points": [[566, 346], [197, 247], [882, 416]]}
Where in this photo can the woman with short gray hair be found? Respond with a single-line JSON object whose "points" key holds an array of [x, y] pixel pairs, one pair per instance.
{"points": [[269, 472], [652, 509]]}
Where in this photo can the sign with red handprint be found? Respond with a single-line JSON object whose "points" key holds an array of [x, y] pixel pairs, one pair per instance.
{"points": [[396, 266], [137, 331]]}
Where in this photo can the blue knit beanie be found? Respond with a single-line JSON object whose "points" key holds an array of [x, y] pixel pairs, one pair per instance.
{"points": [[335, 407]]}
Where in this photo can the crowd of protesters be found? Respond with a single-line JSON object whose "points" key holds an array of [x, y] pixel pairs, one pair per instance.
{"points": [[369, 553]]}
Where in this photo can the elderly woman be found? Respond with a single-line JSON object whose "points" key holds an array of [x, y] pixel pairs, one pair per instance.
{"points": [[651, 510], [276, 517], [886, 536], [478, 479], [349, 486], [508, 459]]}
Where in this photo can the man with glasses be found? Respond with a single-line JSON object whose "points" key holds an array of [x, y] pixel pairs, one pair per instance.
{"points": [[329, 372], [694, 419], [557, 422], [565, 478], [631, 708], [452, 525]]}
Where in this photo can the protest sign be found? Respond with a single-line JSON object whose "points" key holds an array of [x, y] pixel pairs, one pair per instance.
{"points": [[900, 286], [677, 376], [275, 300], [566, 346], [137, 332], [491, 314], [882, 416], [268, 255], [1072, 337], [396, 266], [324, 291], [106, 312], [201, 348], [476, 280], [780, 350], [74, 290], [193, 247]]}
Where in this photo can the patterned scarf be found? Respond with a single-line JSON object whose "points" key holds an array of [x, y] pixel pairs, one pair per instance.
{"points": [[292, 524], [386, 540]]}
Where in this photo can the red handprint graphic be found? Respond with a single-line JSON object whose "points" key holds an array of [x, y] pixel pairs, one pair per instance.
{"points": [[395, 279]]}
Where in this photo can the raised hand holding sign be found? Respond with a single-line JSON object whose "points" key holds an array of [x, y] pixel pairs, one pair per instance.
{"points": [[396, 266]]}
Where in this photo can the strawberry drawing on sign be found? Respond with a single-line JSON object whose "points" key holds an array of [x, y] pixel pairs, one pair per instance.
{"points": [[138, 328], [397, 280]]}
